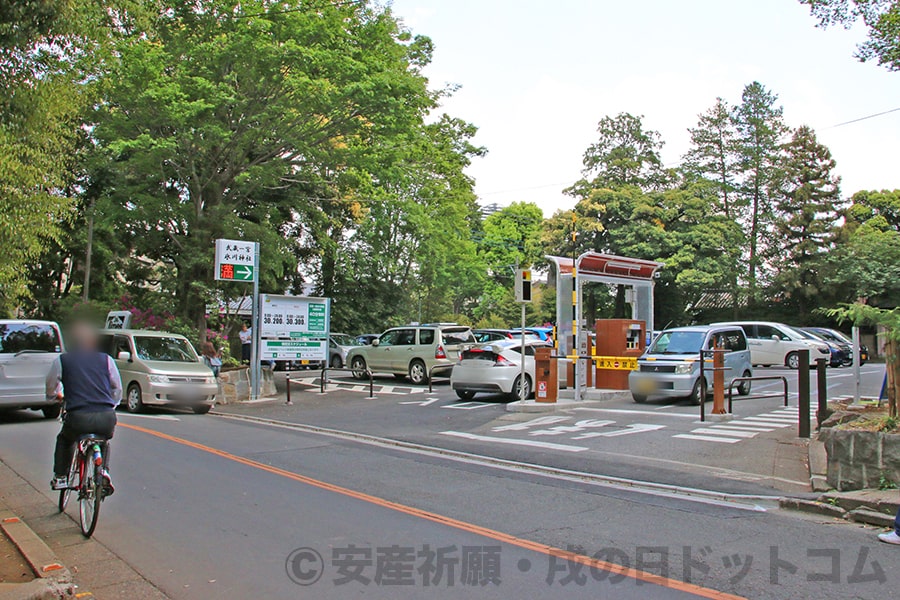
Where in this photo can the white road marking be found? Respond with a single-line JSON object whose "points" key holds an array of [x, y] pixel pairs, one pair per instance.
{"points": [[468, 405], [623, 411], [515, 442], [766, 422], [421, 402], [732, 432], [539, 421], [578, 427], [629, 429], [157, 417], [742, 427], [706, 438]]}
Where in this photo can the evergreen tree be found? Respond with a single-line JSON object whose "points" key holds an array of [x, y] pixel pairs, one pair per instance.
{"points": [[712, 155], [807, 211]]}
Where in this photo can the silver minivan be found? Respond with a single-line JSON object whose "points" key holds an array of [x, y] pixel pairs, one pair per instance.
{"points": [[777, 344], [27, 350], [160, 368], [671, 365]]}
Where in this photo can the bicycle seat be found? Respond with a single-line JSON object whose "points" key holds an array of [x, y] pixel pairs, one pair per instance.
{"points": [[91, 437]]}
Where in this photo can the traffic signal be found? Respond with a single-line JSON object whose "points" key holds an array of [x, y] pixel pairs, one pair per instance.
{"points": [[523, 285]]}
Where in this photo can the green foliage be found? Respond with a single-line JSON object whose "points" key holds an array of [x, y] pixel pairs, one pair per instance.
{"points": [[880, 17]]}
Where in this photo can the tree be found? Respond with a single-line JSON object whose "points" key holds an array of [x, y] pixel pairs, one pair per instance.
{"points": [[760, 127], [227, 117], [712, 154], [624, 154], [807, 211], [881, 18]]}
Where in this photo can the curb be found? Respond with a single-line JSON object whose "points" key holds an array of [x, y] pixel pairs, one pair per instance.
{"points": [[52, 579]]}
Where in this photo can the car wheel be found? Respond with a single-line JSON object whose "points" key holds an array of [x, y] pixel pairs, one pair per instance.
{"points": [[134, 402], [52, 411], [202, 409], [358, 364], [336, 362], [792, 361], [516, 393], [743, 389], [638, 398], [697, 392], [418, 373], [465, 394]]}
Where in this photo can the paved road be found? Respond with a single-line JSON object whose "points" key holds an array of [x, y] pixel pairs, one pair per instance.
{"points": [[212, 507], [661, 441]]}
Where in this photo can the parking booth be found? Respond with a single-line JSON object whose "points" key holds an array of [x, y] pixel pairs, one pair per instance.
{"points": [[546, 388], [619, 344]]}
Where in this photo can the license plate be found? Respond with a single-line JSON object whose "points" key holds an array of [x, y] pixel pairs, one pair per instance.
{"points": [[646, 386]]}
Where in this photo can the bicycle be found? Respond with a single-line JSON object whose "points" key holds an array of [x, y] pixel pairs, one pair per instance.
{"points": [[86, 478]]}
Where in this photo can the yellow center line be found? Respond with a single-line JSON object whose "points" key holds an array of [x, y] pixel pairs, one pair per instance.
{"points": [[505, 538]]}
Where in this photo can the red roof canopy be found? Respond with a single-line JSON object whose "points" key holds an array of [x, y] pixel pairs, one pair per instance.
{"points": [[609, 265]]}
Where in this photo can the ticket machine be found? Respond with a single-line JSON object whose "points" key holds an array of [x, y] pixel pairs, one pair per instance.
{"points": [[619, 344]]}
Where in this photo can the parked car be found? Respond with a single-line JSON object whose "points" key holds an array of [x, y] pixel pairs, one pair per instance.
{"points": [[160, 368], [411, 351], [671, 365], [339, 345], [838, 354], [544, 333], [27, 351], [844, 342], [778, 344], [365, 339], [483, 336], [495, 368]]}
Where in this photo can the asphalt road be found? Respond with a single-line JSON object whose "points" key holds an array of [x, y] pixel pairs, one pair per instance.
{"points": [[207, 506]]}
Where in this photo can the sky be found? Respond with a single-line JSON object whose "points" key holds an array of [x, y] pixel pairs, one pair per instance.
{"points": [[537, 76]]}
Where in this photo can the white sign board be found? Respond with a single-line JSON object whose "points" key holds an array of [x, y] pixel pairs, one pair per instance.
{"points": [[118, 319], [294, 327], [236, 260]]}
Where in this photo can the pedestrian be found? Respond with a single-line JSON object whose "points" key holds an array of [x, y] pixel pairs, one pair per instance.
{"points": [[211, 358], [892, 537], [246, 335]]}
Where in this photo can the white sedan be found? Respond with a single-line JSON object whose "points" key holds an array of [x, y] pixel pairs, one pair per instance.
{"points": [[495, 368]]}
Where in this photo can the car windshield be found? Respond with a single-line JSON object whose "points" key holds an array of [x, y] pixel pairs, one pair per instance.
{"points": [[343, 340], [170, 349], [835, 336], [678, 342], [24, 337], [803, 334]]}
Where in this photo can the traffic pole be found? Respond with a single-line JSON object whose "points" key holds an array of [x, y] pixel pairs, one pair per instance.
{"points": [[254, 348], [803, 389], [522, 396], [822, 390]]}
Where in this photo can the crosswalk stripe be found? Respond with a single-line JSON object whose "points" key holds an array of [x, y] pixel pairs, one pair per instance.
{"points": [[731, 432], [706, 438], [767, 422], [745, 427]]}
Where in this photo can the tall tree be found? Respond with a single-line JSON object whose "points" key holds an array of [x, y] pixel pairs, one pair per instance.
{"points": [[881, 18], [760, 128], [807, 212], [712, 153]]}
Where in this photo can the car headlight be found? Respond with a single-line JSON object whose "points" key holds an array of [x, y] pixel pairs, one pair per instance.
{"points": [[159, 378], [824, 350], [684, 369]]}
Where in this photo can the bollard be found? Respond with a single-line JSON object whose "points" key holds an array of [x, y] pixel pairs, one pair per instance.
{"points": [[702, 387], [288, 403], [822, 389], [718, 381], [803, 390]]}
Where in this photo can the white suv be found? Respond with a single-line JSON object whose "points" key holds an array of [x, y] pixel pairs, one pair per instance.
{"points": [[779, 344], [27, 349]]}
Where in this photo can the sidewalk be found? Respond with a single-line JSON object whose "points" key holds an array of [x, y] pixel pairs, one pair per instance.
{"points": [[66, 565]]}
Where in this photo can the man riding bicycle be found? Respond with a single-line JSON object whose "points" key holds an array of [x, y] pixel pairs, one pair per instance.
{"points": [[90, 381]]}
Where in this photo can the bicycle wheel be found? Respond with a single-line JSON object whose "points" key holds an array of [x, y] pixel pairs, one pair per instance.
{"points": [[89, 499], [72, 483]]}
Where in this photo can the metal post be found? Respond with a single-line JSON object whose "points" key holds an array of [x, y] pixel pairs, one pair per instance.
{"points": [[718, 381], [576, 347], [288, 391], [522, 396], [822, 389], [254, 348], [856, 374], [702, 387], [88, 255], [803, 389]]}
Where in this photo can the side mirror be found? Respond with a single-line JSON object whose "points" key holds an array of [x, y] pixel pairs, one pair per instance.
{"points": [[375, 342], [126, 356]]}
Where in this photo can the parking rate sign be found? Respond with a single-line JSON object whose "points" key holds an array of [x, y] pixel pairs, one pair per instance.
{"points": [[235, 261]]}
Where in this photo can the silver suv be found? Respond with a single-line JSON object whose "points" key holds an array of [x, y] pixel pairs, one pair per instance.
{"points": [[27, 349], [411, 351]]}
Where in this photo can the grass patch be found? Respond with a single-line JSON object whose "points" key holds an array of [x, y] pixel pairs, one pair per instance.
{"points": [[879, 424]]}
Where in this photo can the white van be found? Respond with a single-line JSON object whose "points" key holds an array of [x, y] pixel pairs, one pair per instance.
{"points": [[27, 349], [778, 344]]}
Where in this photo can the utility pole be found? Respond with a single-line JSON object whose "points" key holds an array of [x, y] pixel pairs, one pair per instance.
{"points": [[86, 290]]}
